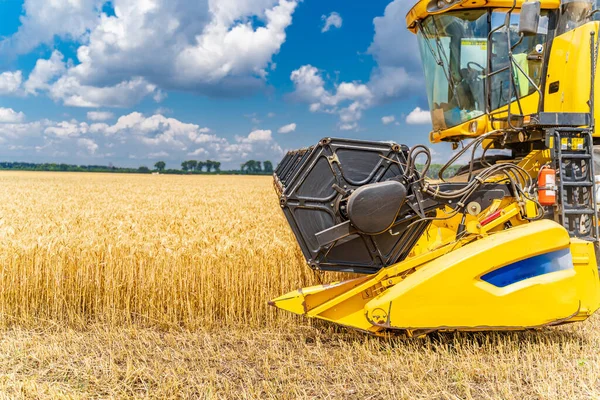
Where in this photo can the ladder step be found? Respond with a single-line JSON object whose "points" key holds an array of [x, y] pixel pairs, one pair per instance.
{"points": [[578, 184], [576, 137], [575, 211], [570, 130], [576, 156]]}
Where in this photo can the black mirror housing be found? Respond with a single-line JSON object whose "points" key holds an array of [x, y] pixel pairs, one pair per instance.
{"points": [[530, 18]]}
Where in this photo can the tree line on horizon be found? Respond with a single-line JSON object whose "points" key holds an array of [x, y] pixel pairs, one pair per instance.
{"points": [[193, 165], [187, 167], [251, 167]]}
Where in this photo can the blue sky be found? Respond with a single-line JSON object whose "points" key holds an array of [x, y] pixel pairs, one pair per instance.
{"points": [[131, 82]]}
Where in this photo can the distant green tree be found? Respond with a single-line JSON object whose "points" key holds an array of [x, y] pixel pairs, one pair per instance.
{"points": [[160, 166], [192, 164], [209, 165], [252, 166], [217, 166], [268, 166], [247, 166], [185, 166], [200, 166], [143, 169]]}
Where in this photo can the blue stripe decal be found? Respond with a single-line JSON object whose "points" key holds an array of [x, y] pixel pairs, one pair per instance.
{"points": [[534, 266]]}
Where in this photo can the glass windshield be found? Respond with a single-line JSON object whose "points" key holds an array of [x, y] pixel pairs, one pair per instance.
{"points": [[454, 53], [454, 50], [528, 58]]}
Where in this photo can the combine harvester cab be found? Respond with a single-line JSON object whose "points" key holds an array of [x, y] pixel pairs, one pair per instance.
{"points": [[510, 242]]}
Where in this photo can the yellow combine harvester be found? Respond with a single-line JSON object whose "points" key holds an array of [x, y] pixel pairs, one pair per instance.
{"points": [[511, 241]]}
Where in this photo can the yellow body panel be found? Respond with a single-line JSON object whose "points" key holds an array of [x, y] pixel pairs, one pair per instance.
{"points": [[529, 104], [570, 66], [449, 292], [443, 289]]}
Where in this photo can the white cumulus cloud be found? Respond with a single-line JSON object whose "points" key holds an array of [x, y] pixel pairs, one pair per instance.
{"points": [[388, 119], [133, 136], [67, 129], [71, 92], [45, 71], [332, 20], [256, 136], [88, 144], [148, 47], [10, 82], [398, 71], [8, 115], [287, 128], [44, 20], [348, 99], [418, 117], [200, 151], [99, 115]]}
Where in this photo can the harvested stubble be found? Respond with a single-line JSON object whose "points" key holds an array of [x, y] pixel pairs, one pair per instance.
{"points": [[121, 286], [183, 251], [299, 363]]}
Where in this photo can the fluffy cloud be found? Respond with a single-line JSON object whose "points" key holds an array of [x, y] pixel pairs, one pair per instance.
{"points": [[10, 82], [16, 132], [418, 117], [388, 119], [199, 137], [398, 67], [44, 20], [215, 47], [332, 20], [88, 144], [200, 151], [99, 115], [45, 71], [257, 136], [8, 115], [234, 51], [67, 129], [390, 29], [132, 137], [397, 73], [348, 99], [287, 128], [71, 92]]}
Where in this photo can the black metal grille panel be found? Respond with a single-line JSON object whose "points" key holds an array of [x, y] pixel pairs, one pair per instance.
{"points": [[311, 183]]}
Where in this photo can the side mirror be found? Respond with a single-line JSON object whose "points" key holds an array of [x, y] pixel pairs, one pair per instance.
{"points": [[530, 18]]}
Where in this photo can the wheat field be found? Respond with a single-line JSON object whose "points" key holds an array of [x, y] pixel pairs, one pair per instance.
{"points": [[141, 286], [164, 251]]}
